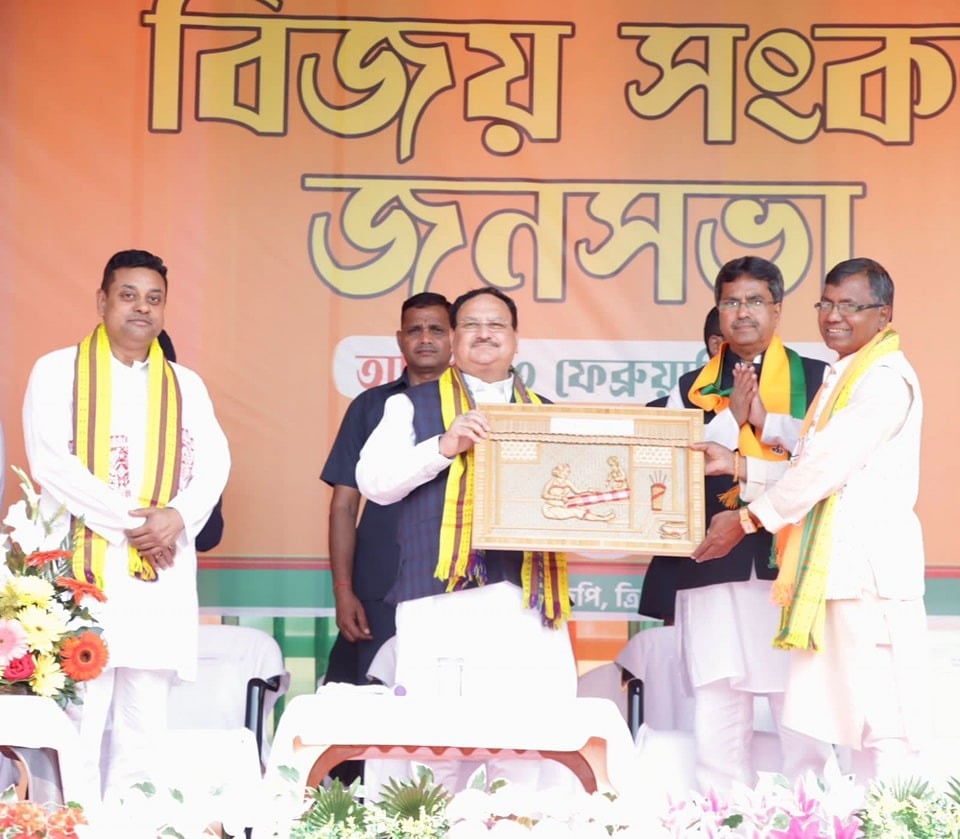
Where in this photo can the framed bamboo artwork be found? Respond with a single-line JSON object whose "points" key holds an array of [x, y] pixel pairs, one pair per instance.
{"points": [[589, 478]]}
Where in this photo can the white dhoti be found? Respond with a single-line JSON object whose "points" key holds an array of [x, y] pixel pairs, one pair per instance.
{"points": [[727, 653], [869, 688]]}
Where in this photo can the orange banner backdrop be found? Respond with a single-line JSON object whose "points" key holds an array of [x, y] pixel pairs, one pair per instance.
{"points": [[302, 167]]}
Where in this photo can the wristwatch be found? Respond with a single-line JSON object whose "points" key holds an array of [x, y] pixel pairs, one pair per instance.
{"points": [[746, 521]]}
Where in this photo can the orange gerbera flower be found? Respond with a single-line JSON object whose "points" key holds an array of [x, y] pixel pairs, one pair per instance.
{"points": [[62, 823], [40, 558], [84, 656], [29, 817], [81, 588]]}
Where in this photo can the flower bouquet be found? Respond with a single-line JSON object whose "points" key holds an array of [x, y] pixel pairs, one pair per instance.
{"points": [[30, 820], [49, 641]]}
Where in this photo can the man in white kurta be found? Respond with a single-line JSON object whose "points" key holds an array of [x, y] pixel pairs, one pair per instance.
{"points": [[868, 686], [150, 627], [723, 614]]}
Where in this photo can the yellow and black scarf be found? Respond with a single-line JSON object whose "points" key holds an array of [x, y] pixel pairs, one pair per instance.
{"points": [[544, 574], [92, 403]]}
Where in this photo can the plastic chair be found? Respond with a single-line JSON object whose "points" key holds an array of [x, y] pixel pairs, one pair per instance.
{"points": [[240, 677], [41, 740], [216, 743], [652, 656]]}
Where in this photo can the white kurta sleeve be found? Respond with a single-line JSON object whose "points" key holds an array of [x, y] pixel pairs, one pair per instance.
{"points": [[392, 464], [48, 433], [781, 430], [761, 475], [723, 429], [877, 410], [674, 399]]}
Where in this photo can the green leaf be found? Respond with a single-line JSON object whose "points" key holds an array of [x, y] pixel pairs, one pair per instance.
{"points": [[408, 799], [288, 773], [334, 805]]}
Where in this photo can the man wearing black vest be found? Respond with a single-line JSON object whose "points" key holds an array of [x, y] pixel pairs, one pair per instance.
{"points": [[463, 624], [754, 394]]}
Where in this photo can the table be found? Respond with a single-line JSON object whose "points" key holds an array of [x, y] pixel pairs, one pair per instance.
{"points": [[318, 731]]}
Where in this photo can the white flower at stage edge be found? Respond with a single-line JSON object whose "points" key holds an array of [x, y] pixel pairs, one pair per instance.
{"points": [[471, 805], [31, 532]]}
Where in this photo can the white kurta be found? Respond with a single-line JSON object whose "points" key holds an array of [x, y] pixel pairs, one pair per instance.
{"points": [[150, 626], [872, 677], [726, 629]]}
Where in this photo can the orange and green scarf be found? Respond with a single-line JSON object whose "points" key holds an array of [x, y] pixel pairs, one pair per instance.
{"points": [[803, 549], [92, 401], [783, 390], [544, 575]]}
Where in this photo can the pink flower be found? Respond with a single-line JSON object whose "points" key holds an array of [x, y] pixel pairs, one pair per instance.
{"points": [[851, 830], [13, 641], [798, 829]]}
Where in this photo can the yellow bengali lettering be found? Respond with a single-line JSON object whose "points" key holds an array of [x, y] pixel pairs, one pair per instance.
{"points": [[491, 93], [911, 78], [380, 217], [713, 71], [401, 229], [372, 59], [778, 64]]}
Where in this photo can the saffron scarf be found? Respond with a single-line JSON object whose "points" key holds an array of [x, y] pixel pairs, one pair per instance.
{"points": [[803, 549], [544, 574], [783, 390], [92, 401]]}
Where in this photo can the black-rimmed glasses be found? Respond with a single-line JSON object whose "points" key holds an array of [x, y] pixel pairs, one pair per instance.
{"points": [[732, 304], [844, 307]]}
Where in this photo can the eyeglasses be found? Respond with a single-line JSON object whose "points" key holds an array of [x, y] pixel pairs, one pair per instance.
{"points": [[845, 307], [732, 304], [475, 325]]}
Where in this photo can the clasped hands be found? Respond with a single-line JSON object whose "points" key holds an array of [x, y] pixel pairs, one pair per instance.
{"points": [[745, 404], [156, 539]]}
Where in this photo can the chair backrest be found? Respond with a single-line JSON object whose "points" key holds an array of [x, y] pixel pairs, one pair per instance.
{"points": [[240, 676], [653, 656], [605, 682], [57, 768]]}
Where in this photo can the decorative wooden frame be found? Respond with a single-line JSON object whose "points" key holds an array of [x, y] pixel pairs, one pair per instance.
{"points": [[590, 478]]}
